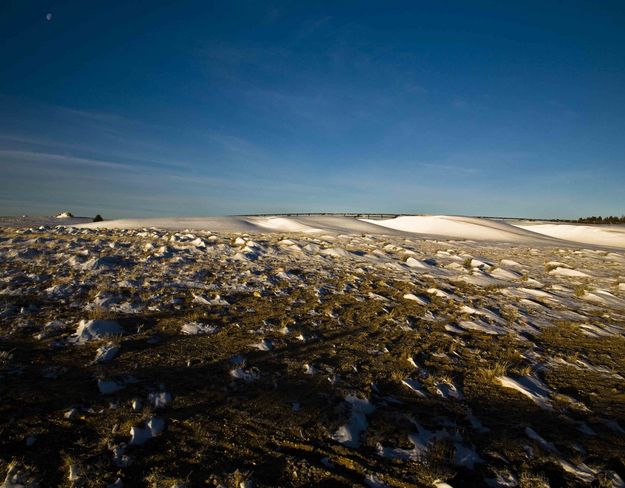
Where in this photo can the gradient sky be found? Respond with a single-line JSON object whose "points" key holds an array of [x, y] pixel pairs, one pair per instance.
{"points": [[207, 108]]}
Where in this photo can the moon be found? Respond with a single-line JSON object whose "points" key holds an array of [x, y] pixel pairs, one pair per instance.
{"points": [[48, 16]]}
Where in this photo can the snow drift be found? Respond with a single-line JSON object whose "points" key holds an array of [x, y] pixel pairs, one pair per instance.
{"points": [[425, 227], [600, 235]]}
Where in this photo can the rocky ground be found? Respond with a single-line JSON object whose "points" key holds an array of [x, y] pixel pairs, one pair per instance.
{"points": [[154, 358]]}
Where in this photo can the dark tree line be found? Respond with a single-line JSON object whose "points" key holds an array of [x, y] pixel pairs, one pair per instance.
{"points": [[602, 220]]}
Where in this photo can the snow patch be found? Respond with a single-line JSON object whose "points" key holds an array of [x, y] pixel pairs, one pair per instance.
{"points": [[349, 434], [529, 386], [197, 328], [89, 330], [106, 353], [153, 428]]}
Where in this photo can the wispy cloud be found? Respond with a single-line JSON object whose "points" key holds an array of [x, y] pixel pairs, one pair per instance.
{"points": [[235, 145], [9, 156], [563, 110], [313, 26], [107, 118], [448, 168], [416, 89]]}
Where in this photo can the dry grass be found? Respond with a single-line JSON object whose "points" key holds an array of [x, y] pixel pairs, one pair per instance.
{"points": [[225, 431], [496, 370]]}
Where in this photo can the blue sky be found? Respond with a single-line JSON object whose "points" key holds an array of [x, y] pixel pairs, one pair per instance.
{"points": [[211, 108]]}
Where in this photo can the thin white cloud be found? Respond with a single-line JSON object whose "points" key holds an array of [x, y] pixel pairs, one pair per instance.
{"points": [[449, 168], [8, 156]]}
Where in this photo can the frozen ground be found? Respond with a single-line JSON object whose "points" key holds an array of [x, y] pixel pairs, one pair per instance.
{"points": [[38, 220], [319, 351]]}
